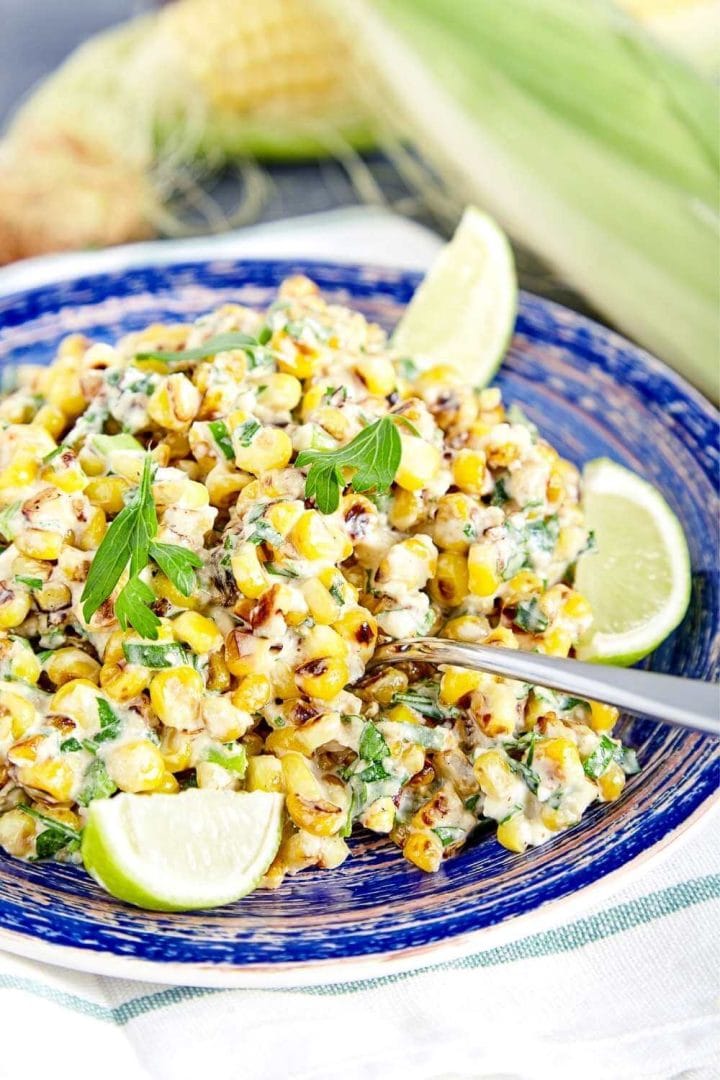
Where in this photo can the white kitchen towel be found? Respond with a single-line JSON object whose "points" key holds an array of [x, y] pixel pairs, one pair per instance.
{"points": [[626, 990]]}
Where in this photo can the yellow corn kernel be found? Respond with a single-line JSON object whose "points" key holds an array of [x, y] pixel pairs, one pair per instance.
{"points": [[40, 543], [218, 676], [17, 833], [78, 700], [25, 752], [248, 572], [71, 663], [510, 834], [14, 605], [300, 362], [167, 785], [52, 419], [281, 392], [466, 628], [523, 585], [557, 818], [419, 463], [502, 707], [378, 374], [379, 816], [562, 753], [253, 693], [323, 607], [468, 471], [312, 399], [270, 448], [334, 579], [176, 696], [453, 527], [493, 773], [412, 760], [197, 631], [176, 748], [284, 515], [25, 665], [223, 720], [137, 766], [504, 636], [185, 494], [165, 590], [360, 629], [93, 531], [405, 510], [403, 714], [21, 472], [20, 712], [450, 584], [483, 576], [457, 683], [64, 391], [611, 782], [174, 404], [557, 642], [315, 538], [576, 606], [223, 484], [323, 677], [425, 850], [123, 682], [68, 477], [55, 778], [264, 773], [248, 655], [603, 718], [107, 493]]}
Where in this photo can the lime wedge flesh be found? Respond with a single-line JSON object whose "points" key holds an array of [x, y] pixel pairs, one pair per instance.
{"points": [[463, 313], [198, 849], [638, 580]]}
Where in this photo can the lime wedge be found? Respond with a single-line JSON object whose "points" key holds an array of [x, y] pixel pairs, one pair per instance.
{"points": [[199, 849], [463, 313], [638, 580]]}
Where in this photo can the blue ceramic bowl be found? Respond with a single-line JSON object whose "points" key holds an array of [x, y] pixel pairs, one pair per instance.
{"points": [[591, 393]]}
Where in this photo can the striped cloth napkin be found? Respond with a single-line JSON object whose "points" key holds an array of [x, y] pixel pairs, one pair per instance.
{"points": [[626, 990]]}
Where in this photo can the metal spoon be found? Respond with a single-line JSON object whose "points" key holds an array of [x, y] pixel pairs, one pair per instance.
{"points": [[687, 703]]}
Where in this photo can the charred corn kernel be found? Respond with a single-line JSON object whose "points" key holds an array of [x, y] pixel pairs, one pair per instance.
{"points": [[382, 685], [406, 509], [20, 712], [52, 419], [55, 778], [64, 391], [457, 683], [378, 374], [557, 642], [466, 628], [224, 484], [504, 636], [78, 700], [510, 834], [523, 585], [176, 749], [54, 596], [493, 773], [17, 833], [71, 663], [174, 403], [450, 583], [88, 539], [246, 654], [15, 604], [468, 471], [197, 631], [264, 773], [269, 448], [40, 543], [176, 695], [576, 606], [218, 673], [360, 629], [323, 607], [424, 850], [107, 492], [562, 753], [248, 571], [323, 677], [483, 575], [419, 463], [123, 682], [603, 718], [611, 782], [379, 816], [501, 706], [253, 693], [165, 590], [137, 766], [280, 391], [315, 538]]}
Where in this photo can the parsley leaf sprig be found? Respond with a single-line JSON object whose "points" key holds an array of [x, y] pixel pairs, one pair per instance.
{"points": [[216, 344], [374, 454], [129, 540]]}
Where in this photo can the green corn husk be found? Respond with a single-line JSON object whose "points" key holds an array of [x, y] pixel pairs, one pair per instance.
{"points": [[587, 142]]}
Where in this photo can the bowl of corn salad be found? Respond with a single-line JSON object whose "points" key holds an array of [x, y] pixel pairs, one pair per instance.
{"points": [[218, 494]]}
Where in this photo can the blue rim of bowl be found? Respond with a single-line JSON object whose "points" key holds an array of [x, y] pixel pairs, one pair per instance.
{"points": [[385, 936]]}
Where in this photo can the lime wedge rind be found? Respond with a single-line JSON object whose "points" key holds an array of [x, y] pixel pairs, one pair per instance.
{"points": [[198, 849], [663, 575]]}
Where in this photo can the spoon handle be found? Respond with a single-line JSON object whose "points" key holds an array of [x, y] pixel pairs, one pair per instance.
{"points": [[687, 703]]}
